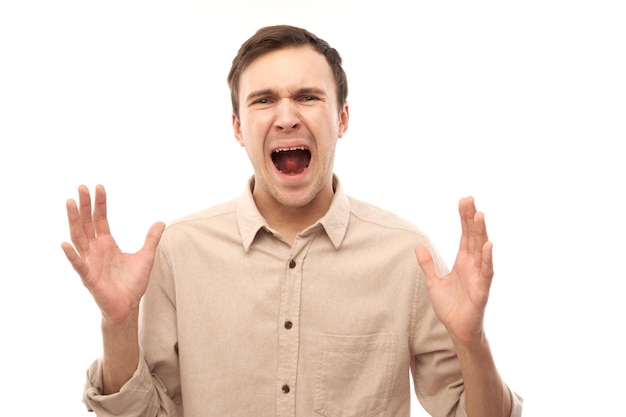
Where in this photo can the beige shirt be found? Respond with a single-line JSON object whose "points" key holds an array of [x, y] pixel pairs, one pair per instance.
{"points": [[236, 322]]}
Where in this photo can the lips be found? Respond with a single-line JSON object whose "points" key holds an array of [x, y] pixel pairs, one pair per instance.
{"points": [[291, 161]]}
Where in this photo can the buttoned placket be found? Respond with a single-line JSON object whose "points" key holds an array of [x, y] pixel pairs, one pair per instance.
{"points": [[288, 327]]}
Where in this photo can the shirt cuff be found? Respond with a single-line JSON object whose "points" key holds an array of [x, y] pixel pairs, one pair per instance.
{"points": [[135, 396], [516, 404]]}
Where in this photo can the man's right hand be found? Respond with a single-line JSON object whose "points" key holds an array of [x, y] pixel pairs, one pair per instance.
{"points": [[116, 280]]}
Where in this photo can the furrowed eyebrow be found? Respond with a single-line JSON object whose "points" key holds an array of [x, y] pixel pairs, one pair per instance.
{"points": [[257, 94], [302, 91], [311, 90]]}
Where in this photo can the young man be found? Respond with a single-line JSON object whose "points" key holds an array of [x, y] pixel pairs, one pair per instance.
{"points": [[294, 299]]}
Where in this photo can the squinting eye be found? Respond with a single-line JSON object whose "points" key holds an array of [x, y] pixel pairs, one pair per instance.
{"points": [[309, 98]]}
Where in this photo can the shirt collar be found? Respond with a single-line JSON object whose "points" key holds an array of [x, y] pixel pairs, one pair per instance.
{"points": [[334, 222]]}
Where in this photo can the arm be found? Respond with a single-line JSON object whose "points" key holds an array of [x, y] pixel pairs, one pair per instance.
{"points": [[116, 280], [459, 300]]}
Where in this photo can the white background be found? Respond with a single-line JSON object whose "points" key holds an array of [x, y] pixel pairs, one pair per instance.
{"points": [[521, 104]]}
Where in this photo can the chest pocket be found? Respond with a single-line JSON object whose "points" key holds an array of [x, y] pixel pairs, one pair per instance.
{"points": [[355, 374]]}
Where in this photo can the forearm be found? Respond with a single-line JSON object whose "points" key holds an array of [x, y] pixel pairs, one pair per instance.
{"points": [[121, 353], [485, 392]]}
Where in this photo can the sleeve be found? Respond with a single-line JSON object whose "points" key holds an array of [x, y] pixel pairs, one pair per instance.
{"points": [[516, 404], [139, 397], [154, 389]]}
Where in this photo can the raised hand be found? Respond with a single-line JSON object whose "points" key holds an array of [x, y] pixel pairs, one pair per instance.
{"points": [[116, 280], [460, 298]]}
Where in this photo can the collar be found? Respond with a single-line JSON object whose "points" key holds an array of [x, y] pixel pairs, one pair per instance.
{"points": [[334, 222]]}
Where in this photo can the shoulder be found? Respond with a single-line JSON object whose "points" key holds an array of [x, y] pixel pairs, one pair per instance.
{"points": [[380, 223], [373, 224], [378, 216], [220, 217]]}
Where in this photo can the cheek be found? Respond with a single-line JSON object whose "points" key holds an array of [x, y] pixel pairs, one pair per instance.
{"points": [[244, 133], [255, 126], [253, 141]]}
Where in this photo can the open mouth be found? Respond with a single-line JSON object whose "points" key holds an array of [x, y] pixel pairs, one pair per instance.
{"points": [[291, 161]]}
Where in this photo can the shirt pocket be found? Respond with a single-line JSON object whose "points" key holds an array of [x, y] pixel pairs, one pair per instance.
{"points": [[355, 374]]}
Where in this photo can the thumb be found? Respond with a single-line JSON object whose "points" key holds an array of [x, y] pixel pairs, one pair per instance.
{"points": [[153, 237], [425, 260]]}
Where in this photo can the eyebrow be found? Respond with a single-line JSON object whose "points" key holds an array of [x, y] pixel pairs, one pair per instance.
{"points": [[301, 91], [311, 90], [260, 93]]}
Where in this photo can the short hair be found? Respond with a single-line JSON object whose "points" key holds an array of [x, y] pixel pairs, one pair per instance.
{"points": [[272, 38]]}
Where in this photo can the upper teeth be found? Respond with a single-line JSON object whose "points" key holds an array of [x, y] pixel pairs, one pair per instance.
{"points": [[297, 148]]}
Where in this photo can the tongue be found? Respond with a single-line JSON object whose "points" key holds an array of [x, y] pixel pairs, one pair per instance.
{"points": [[292, 162]]}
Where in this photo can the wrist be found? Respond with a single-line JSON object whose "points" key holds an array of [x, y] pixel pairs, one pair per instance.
{"points": [[120, 352], [123, 325], [476, 347]]}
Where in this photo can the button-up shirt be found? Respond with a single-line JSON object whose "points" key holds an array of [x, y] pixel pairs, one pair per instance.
{"points": [[237, 322]]}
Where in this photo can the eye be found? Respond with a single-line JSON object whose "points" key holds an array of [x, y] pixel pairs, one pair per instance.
{"points": [[308, 98], [262, 101]]}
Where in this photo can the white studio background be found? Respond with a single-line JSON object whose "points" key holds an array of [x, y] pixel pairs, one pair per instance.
{"points": [[521, 104]]}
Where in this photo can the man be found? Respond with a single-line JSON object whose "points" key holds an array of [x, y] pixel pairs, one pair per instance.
{"points": [[295, 299]]}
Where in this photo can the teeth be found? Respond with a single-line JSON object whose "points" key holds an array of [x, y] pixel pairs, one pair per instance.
{"points": [[298, 148]]}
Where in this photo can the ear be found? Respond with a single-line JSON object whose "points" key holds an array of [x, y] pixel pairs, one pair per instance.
{"points": [[237, 129], [344, 117]]}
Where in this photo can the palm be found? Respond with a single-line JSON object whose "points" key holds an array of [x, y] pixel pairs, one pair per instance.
{"points": [[116, 280], [459, 298]]}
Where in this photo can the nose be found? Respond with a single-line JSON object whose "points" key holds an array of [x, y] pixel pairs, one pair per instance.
{"points": [[286, 115]]}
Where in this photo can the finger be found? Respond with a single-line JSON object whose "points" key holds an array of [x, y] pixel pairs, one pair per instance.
{"points": [[487, 262], [77, 233], [153, 237], [426, 262], [76, 261], [479, 237], [466, 212], [85, 212], [100, 212]]}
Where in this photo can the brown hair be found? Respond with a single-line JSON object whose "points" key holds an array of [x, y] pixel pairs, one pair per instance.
{"points": [[272, 38]]}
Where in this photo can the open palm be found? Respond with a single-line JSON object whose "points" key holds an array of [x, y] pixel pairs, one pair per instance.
{"points": [[460, 298], [116, 280]]}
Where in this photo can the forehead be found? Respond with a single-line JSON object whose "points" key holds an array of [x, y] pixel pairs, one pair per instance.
{"points": [[287, 68]]}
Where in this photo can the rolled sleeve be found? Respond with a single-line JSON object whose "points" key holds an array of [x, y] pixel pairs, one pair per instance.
{"points": [[141, 396], [516, 404]]}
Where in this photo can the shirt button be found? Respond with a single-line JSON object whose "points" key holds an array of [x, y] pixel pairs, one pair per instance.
{"points": [[292, 264], [286, 389], [288, 324]]}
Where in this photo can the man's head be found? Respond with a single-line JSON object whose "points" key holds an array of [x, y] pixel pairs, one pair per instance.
{"points": [[272, 38], [288, 112]]}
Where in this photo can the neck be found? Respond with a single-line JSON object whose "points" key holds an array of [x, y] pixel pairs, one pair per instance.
{"points": [[289, 221]]}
